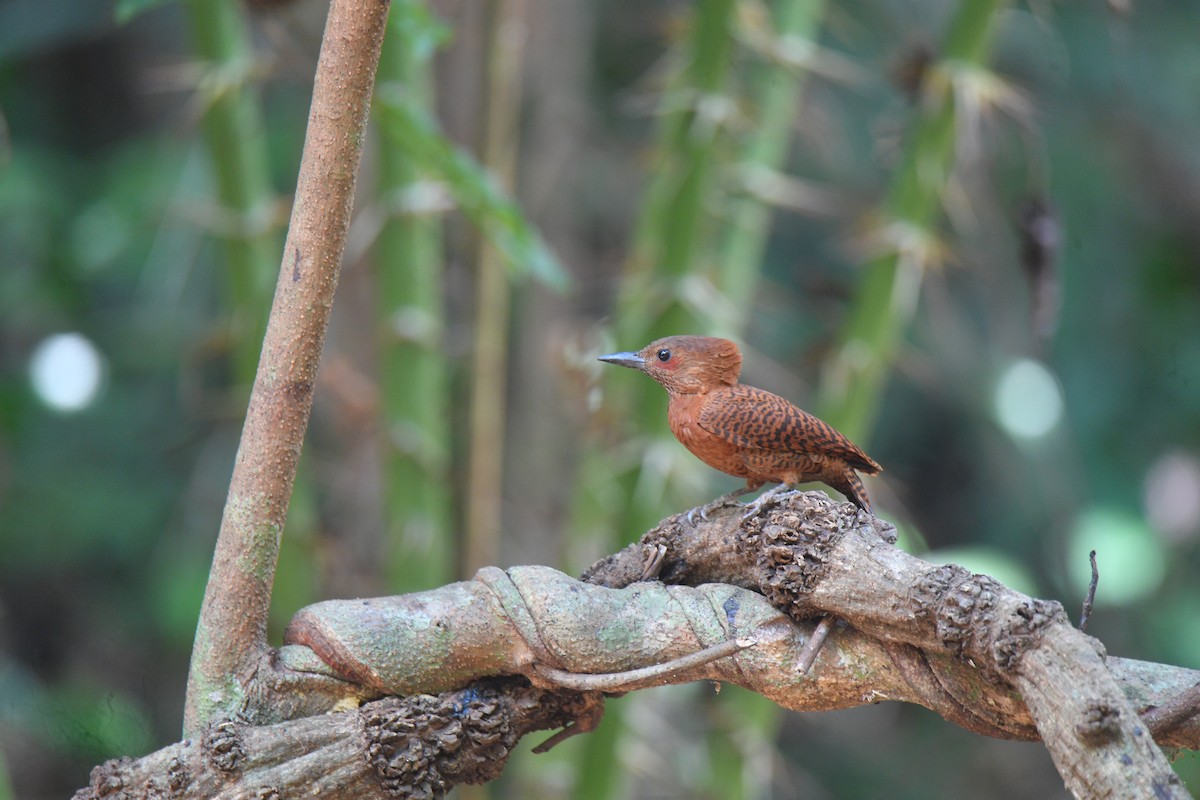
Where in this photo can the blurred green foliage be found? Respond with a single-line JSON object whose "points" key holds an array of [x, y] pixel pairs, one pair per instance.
{"points": [[412, 131], [114, 224], [412, 375]]}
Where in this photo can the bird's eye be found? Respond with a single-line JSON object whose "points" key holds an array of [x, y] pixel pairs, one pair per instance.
{"points": [[664, 355]]}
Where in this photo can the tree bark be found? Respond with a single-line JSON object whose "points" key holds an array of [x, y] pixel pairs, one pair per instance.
{"points": [[809, 555], [231, 634], [984, 657]]}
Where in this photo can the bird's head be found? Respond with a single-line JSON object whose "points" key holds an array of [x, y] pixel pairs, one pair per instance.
{"points": [[685, 364]]}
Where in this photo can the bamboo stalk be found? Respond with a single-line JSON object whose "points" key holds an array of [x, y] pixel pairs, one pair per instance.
{"points": [[885, 303], [493, 297], [673, 230], [414, 399], [673, 225], [775, 94], [237, 146]]}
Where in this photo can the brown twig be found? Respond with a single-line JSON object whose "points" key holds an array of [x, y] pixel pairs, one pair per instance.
{"points": [[809, 654], [1174, 712], [231, 635], [1091, 595]]}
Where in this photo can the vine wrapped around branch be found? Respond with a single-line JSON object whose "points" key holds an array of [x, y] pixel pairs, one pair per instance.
{"points": [[541, 627]]}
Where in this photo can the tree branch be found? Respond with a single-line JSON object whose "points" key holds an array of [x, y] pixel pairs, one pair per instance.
{"points": [[415, 747], [231, 634], [985, 657], [422, 744], [807, 555]]}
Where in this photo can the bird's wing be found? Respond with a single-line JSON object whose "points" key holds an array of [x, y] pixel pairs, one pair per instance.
{"points": [[757, 419]]}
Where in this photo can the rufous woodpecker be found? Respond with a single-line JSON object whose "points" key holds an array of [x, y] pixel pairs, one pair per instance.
{"points": [[743, 431]]}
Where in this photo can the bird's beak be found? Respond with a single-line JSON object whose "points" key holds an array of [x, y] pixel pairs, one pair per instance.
{"points": [[631, 360]]}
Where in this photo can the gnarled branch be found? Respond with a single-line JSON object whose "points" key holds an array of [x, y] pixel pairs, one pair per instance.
{"points": [[909, 631]]}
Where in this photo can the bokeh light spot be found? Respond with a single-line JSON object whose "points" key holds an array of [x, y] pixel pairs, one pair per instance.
{"points": [[987, 561], [1029, 402], [1171, 493], [1129, 556], [66, 371]]}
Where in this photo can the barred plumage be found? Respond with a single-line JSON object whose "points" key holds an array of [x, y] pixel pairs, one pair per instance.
{"points": [[743, 431]]}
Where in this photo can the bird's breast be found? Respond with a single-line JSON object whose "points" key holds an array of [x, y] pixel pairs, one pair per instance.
{"points": [[683, 416]]}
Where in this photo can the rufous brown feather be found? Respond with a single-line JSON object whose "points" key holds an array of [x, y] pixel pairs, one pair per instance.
{"points": [[743, 431]]}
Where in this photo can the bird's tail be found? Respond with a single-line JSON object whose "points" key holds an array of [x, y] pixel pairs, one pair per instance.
{"points": [[852, 486]]}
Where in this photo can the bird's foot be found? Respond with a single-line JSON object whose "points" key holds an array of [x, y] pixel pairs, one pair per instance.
{"points": [[764, 500], [727, 499]]}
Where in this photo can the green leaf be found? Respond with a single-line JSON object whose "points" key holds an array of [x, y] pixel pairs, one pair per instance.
{"points": [[125, 10], [494, 213]]}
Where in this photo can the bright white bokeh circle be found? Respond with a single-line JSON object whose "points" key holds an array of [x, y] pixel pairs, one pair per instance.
{"points": [[1029, 401], [67, 371]]}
